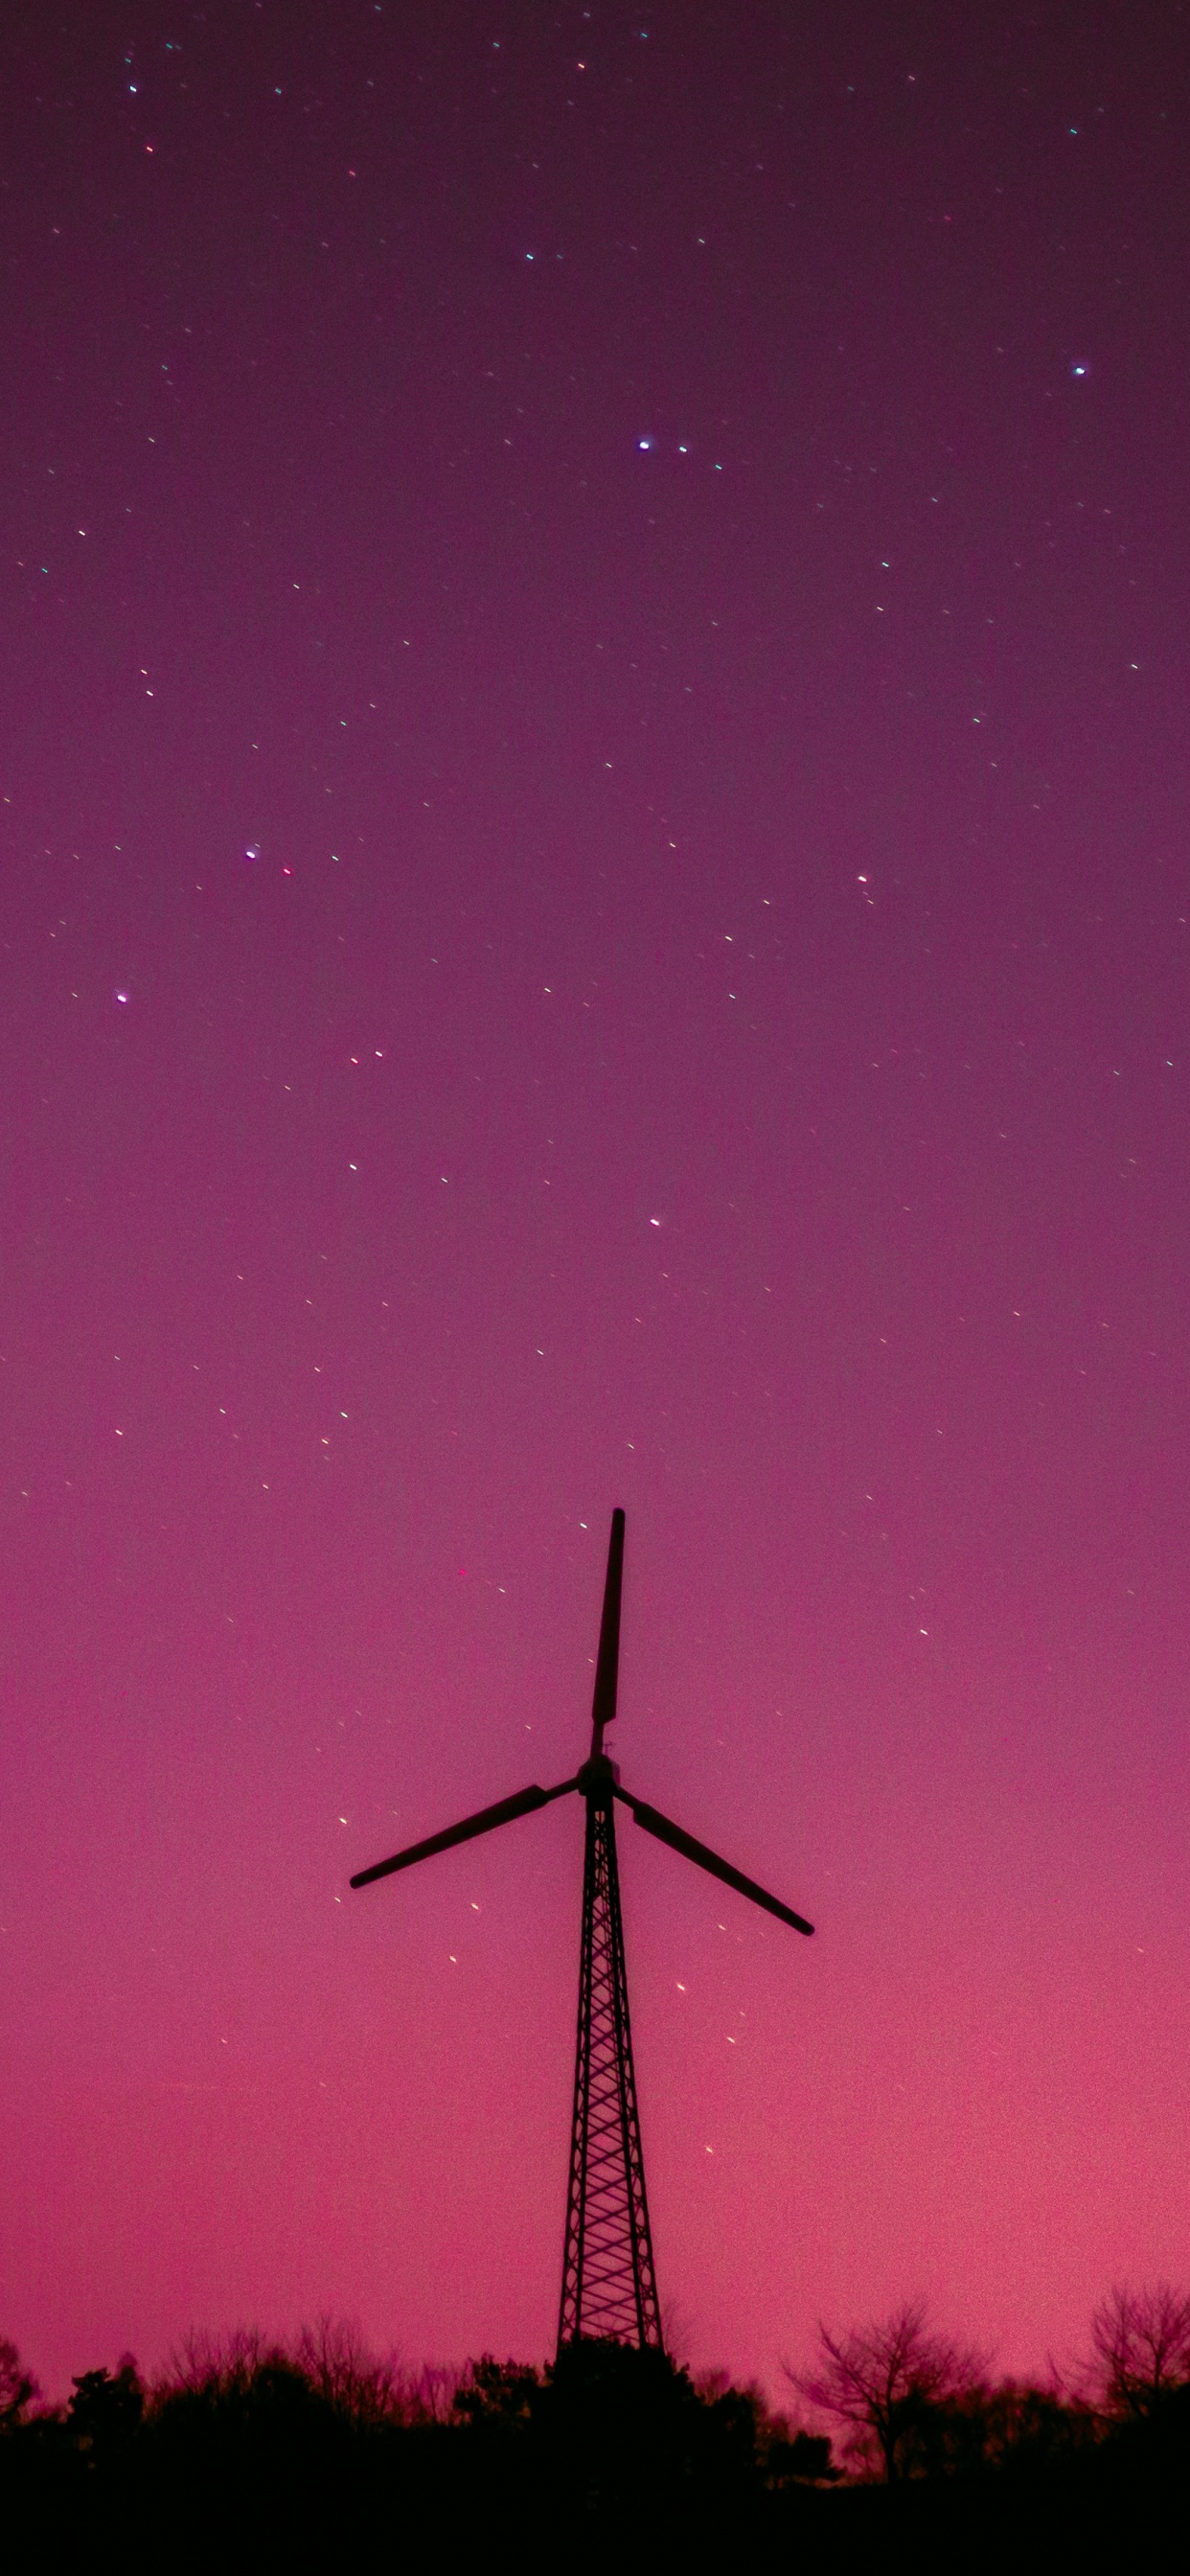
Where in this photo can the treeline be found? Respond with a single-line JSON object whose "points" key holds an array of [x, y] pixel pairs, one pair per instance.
{"points": [[911, 2403], [248, 2447], [317, 2446]]}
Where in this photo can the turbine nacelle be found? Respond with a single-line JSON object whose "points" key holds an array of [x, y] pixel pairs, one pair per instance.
{"points": [[599, 1777]]}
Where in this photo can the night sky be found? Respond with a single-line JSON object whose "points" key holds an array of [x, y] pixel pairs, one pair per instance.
{"points": [[593, 909]]}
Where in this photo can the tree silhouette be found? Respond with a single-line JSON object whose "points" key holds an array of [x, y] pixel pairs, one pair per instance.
{"points": [[885, 2381], [317, 2445], [212, 2366], [362, 2387], [619, 2431], [18, 2388], [104, 2414], [790, 2456], [497, 2392], [1141, 2340]]}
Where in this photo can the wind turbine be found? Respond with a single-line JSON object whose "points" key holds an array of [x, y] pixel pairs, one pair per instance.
{"points": [[608, 2283]]}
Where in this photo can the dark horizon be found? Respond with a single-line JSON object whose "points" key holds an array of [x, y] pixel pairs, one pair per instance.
{"points": [[324, 2441]]}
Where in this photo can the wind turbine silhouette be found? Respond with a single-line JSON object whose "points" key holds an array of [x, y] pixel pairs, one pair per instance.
{"points": [[609, 2286]]}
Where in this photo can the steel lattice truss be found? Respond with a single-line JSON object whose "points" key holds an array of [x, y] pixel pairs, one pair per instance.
{"points": [[608, 2283]]}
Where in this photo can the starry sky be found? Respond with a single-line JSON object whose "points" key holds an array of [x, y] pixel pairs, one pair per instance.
{"points": [[593, 910]]}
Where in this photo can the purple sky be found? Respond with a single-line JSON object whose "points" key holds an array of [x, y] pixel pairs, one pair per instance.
{"points": [[593, 899]]}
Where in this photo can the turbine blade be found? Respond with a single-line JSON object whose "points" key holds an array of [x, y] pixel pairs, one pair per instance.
{"points": [[607, 1669], [655, 1823], [485, 1822]]}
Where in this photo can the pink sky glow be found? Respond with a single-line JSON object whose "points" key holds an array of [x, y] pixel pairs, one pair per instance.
{"points": [[593, 909]]}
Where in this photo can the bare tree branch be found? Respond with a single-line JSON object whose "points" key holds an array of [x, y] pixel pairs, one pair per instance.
{"points": [[879, 2379], [1141, 2341]]}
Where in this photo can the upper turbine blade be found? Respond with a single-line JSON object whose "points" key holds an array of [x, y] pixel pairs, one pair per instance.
{"points": [[502, 1814], [655, 1823], [606, 1670]]}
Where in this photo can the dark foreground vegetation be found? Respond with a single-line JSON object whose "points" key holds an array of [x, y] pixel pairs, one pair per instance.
{"points": [[250, 2454]]}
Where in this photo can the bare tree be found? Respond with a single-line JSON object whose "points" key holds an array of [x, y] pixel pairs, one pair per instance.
{"points": [[337, 2362], [882, 2380], [431, 2391], [219, 2366], [1141, 2340]]}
